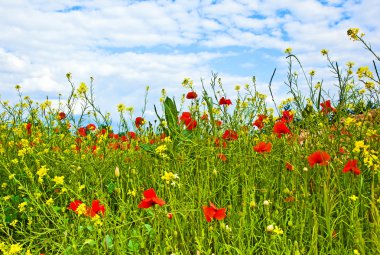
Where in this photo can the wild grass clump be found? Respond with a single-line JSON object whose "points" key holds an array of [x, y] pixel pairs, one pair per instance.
{"points": [[222, 176]]}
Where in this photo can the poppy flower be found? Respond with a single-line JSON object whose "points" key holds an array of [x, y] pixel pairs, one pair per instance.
{"points": [[352, 165], [259, 122], [213, 213], [61, 115], [185, 116], [74, 205], [29, 128], [218, 144], [289, 166], [139, 121], [319, 157], [91, 127], [204, 117], [191, 95], [150, 199], [224, 101], [190, 124], [132, 135], [222, 157], [218, 123], [95, 208], [280, 129], [230, 135], [326, 107], [262, 147], [82, 131], [287, 116]]}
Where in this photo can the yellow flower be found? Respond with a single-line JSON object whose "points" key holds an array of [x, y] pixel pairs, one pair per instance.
{"points": [[121, 108], [82, 209], [353, 33], [21, 207], [82, 88], [288, 51], [237, 87], [169, 176], [364, 71], [41, 173], [312, 73], [50, 201], [278, 231], [324, 52], [11, 176], [14, 223], [14, 249], [4, 185], [59, 180], [117, 171], [132, 193], [369, 85], [353, 197]]}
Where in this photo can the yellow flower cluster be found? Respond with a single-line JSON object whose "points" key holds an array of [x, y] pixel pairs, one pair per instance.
{"points": [[41, 173], [353, 33], [169, 177], [82, 88], [364, 71], [59, 180], [160, 150], [121, 108], [370, 158]]}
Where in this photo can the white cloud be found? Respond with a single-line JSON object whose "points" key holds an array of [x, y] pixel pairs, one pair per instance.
{"points": [[126, 45]]}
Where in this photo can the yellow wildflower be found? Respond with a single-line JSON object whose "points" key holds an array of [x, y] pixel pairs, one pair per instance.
{"points": [[50, 201], [14, 249], [288, 51], [21, 207], [324, 52], [59, 180]]}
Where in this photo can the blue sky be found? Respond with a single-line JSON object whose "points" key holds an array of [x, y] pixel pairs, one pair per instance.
{"points": [[126, 45]]}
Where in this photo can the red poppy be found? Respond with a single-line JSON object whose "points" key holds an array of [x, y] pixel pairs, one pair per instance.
{"points": [[290, 199], [289, 166], [230, 135], [190, 124], [222, 157], [82, 131], [61, 115], [352, 165], [280, 129], [91, 127], [326, 107], [185, 116], [259, 122], [224, 101], [132, 135], [191, 95], [204, 117], [262, 147], [213, 213], [341, 150], [74, 205], [319, 157], [170, 216], [139, 121], [150, 199], [29, 128], [218, 123], [95, 208], [287, 116], [218, 144]]}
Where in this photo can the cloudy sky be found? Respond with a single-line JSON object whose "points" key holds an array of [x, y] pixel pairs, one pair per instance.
{"points": [[126, 45]]}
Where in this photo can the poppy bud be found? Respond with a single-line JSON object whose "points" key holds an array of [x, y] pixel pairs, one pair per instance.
{"points": [[117, 172]]}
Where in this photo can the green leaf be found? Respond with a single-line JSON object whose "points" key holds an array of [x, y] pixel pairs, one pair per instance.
{"points": [[133, 246], [111, 187], [171, 116], [90, 242], [108, 240]]}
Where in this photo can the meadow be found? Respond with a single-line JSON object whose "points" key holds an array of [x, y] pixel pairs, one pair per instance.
{"points": [[213, 174]]}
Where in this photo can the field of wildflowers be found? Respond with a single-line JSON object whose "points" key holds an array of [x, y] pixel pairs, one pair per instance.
{"points": [[222, 176]]}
